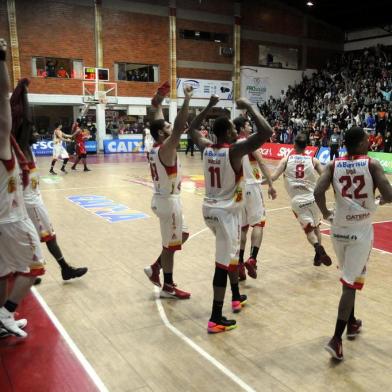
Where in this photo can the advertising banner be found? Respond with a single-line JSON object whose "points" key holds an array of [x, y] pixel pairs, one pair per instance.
{"points": [[279, 151], [324, 154], [254, 88], [203, 88], [45, 147], [384, 158], [115, 146]]}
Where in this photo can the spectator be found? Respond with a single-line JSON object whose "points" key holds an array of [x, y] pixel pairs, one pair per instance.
{"points": [[388, 142], [62, 73], [378, 143], [335, 143]]}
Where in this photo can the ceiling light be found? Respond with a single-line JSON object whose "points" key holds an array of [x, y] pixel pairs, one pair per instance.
{"points": [[310, 4]]}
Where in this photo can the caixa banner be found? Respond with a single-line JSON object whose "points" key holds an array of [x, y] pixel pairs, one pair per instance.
{"points": [[324, 154], [116, 146], [45, 147], [279, 151]]}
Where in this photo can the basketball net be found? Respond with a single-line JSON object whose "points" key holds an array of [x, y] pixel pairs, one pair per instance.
{"points": [[102, 98]]}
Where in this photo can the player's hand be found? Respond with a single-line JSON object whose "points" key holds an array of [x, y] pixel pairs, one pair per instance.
{"points": [[243, 104], [328, 215], [213, 100], [3, 45], [380, 201], [188, 90], [272, 194]]}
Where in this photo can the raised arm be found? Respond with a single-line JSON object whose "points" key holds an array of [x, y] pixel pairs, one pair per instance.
{"points": [[318, 166], [381, 182], [5, 108], [322, 186], [266, 174], [180, 122], [193, 131], [262, 134]]}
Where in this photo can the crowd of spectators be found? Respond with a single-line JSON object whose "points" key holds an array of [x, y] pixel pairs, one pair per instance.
{"points": [[354, 88]]}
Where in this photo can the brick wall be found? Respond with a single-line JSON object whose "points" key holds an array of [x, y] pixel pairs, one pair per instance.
{"points": [[54, 29], [193, 50], [136, 38], [4, 32], [224, 7], [250, 51], [271, 20], [203, 74]]}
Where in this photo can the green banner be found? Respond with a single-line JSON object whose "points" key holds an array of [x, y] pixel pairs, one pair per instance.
{"points": [[384, 158]]}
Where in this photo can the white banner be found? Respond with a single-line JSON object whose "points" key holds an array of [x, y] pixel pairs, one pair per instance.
{"points": [[205, 88], [254, 88]]}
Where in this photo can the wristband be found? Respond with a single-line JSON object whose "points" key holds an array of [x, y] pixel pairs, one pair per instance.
{"points": [[2, 55]]}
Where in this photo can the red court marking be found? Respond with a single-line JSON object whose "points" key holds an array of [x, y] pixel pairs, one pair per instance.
{"points": [[382, 236], [43, 362]]}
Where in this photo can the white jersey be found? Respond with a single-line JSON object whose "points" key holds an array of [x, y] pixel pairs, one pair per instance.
{"points": [[31, 194], [148, 140], [223, 185], [300, 177], [56, 139], [252, 173], [167, 180], [354, 191], [12, 207]]}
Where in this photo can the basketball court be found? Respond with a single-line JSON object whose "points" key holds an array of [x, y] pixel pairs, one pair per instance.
{"points": [[113, 333]]}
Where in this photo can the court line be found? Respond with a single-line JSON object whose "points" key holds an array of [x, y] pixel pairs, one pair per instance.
{"points": [[227, 372], [82, 188], [74, 348], [380, 250]]}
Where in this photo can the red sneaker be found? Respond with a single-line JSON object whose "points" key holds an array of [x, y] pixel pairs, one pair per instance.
{"points": [[335, 348], [222, 325], [152, 272], [251, 267], [236, 306], [353, 329], [241, 272], [162, 91], [171, 291]]}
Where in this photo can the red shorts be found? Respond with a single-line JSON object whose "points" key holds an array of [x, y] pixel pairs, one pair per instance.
{"points": [[80, 148]]}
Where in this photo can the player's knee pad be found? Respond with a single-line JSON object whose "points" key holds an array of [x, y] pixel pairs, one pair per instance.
{"points": [[185, 236], [220, 277], [309, 228], [171, 249]]}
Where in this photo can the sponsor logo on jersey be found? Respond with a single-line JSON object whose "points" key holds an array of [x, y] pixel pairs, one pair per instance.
{"points": [[358, 217]]}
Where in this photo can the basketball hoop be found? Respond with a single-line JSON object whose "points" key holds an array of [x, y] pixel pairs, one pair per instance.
{"points": [[102, 98]]}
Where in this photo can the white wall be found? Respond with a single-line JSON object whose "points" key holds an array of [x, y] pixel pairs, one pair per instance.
{"points": [[268, 81], [367, 37]]}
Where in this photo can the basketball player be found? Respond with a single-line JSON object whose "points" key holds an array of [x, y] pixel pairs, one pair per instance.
{"points": [[166, 202], [354, 179], [148, 140], [59, 152], [20, 252], [23, 133], [299, 172], [253, 213], [80, 137], [224, 200]]}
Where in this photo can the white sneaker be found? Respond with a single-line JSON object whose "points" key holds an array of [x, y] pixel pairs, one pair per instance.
{"points": [[8, 323], [21, 323]]}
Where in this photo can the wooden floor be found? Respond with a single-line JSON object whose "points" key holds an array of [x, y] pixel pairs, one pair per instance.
{"points": [[113, 317]]}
